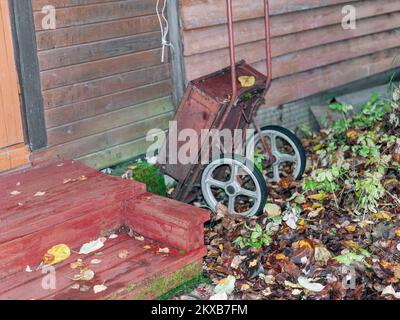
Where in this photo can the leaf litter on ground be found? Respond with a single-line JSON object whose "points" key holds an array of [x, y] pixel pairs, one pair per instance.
{"points": [[341, 221]]}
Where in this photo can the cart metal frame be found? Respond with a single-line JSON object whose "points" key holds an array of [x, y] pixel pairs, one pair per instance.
{"points": [[217, 102]]}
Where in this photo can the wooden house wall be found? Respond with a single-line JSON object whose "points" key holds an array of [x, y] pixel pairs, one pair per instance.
{"points": [[311, 51], [102, 80]]}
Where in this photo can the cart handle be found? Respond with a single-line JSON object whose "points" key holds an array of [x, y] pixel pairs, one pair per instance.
{"points": [[232, 47]]}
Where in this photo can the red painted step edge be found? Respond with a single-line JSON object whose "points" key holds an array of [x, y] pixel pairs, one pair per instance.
{"points": [[171, 222]]}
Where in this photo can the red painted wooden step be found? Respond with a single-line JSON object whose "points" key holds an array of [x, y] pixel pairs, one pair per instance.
{"points": [[67, 202]]}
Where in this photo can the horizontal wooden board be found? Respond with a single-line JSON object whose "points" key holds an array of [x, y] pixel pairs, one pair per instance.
{"points": [[339, 51], [117, 154], [103, 141], [100, 68], [215, 38], [56, 58], [100, 12], [109, 120], [243, 10], [307, 83], [51, 39], [296, 61], [78, 111], [100, 87], [37, 5]]}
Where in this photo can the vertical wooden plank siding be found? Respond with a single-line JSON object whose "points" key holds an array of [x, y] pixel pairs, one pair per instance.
{"points": [[103, 83], [311, 50]]}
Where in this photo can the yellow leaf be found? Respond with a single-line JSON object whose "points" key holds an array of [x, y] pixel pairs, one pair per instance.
{"points": [[280, 256], [56, 254], [301, 222], [306, 243], [351, 228], [318, 147], [396, 271], [383, 215], [317, 205], [318, 196], [247, 81], [350, 244], [315, 213], [352, 134], [253, 263], [385, 264], [245, 287], [221, 247], [389, 181], [398, 232], [132, 167]]}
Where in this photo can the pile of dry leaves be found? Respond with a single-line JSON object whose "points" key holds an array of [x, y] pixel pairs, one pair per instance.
{"points": [[333, 235]]}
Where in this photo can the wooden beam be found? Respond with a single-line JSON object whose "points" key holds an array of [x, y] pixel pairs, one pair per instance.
{"points": [[176, 56], [28, 69]]}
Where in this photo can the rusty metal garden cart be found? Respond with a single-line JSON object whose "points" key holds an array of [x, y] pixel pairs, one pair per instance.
{"points": [[219, 101]]}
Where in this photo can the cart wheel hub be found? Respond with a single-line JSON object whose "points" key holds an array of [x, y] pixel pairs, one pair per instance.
{"points": [[231, 189]]}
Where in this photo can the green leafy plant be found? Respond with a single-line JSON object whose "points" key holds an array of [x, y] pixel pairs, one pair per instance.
{"points": [[368, 191], [341, 126], [259, 158], [371, 112], [257, 238], [325, 180], [247, 96]]}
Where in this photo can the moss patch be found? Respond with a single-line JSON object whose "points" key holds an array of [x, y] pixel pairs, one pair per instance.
{"points": [[143, 172], [151, 177], [158, 287], [186, 287]]}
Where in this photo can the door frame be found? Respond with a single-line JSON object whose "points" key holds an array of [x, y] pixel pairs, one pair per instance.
{"points": [[26, 56]]}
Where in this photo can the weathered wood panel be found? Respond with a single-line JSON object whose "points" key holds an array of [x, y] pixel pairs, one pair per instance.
{"points": [[311, 50], [305, 84], [99, 68], [82, 14], [99, 87], [193, 11], [57, 58], [109, 120], [89, 33], [297, 61], [89, 108], [196, 42], [98, 145], [102, 79]]}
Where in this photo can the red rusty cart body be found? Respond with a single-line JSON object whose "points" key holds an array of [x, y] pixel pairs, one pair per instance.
{"points": [[218, 101]]}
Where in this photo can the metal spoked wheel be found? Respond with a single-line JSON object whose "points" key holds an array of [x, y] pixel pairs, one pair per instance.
{"points": [[287, 149], [235, 182]]}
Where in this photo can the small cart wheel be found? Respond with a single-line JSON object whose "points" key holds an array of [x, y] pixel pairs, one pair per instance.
{"points": [[287, 150], [235, 182]]}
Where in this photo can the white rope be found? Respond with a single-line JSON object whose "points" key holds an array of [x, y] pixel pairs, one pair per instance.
{"points": [[164, 29]]}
